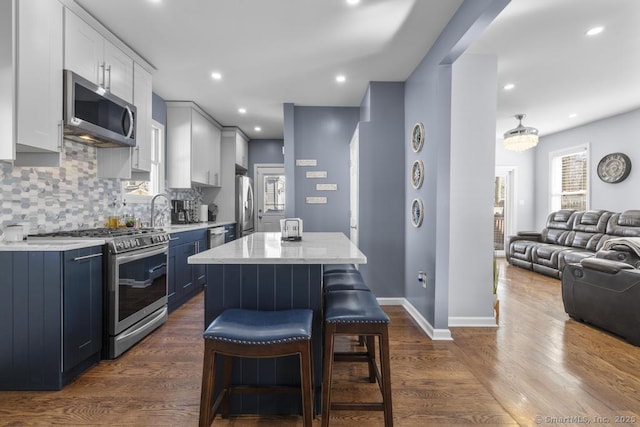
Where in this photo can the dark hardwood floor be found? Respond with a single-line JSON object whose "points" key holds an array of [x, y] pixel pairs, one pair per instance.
{"points": [[537, 363]]}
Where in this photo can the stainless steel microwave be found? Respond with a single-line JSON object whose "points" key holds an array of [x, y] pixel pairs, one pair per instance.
{"points": [[95, 116]]}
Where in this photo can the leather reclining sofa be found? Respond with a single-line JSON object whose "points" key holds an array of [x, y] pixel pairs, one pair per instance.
{"points": [[600, 282], [569, 237]]}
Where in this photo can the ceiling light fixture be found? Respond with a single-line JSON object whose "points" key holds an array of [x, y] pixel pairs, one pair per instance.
{"points": [[509, 86], [353, 2], [341, 79], [242, 110], [257, 128], [595, 31], [216, 75], [520, 138], [573, 115]]}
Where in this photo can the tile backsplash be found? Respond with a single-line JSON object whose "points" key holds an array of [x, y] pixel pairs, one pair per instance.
{"points": [[70, 196]]}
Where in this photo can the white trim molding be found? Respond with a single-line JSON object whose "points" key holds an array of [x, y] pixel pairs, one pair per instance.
{"points": [[434, 334], [475, 322]]}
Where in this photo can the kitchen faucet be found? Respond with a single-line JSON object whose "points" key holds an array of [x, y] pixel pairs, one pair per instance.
{"points": [[153, 201]]}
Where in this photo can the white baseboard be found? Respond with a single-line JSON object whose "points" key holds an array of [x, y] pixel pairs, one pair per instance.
{"points": [[434, 334], [476, 322]]}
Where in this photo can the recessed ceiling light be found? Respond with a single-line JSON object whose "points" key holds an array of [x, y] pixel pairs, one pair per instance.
{"points": [[257, 128], [509, 86], [341, 78], [353, 2], [595, 30], [216, 75], [242, 110], [573, 115], [155, 1]]}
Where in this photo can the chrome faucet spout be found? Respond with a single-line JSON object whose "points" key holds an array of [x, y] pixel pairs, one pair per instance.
{"points": [[153, 201]]}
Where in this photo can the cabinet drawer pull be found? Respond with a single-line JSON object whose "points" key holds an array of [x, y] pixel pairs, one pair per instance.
{"points": [[80, 258]]}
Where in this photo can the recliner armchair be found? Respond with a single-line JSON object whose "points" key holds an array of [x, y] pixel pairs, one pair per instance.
{"points": [[605, 293]]}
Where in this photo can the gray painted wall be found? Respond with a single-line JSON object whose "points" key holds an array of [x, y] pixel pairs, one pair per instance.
{"points": [[428, 100], [159, 110], [323, 134], [381, 182], [289, 159], [614, 134], [264, 151]]}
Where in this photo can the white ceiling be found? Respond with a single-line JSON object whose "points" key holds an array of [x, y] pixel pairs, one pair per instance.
{"points": [[277, 51], [557, 70]]}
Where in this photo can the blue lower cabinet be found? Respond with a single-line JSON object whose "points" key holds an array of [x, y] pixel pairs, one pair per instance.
{"points": [[230, 233], [185, 280], [50, 317]]}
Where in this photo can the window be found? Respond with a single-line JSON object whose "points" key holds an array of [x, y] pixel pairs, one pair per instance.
{"points": [[569, 179], [273, 193], [141, 190]]}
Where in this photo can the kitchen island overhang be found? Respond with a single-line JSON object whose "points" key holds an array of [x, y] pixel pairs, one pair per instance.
{"points": [[261, 272]]}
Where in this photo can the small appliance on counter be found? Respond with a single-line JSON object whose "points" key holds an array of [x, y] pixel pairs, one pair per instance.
{"points": [[212, 213], [291, 229], [204, 213], [182, 212]]}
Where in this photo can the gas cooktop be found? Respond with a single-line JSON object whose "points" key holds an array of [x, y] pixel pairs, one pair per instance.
{"points": [[118, 239], [100, 233]]}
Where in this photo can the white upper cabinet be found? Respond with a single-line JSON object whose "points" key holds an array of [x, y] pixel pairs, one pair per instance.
{"points": [[89, 54], [242, 151], [31, 82], [193, 147], [143, 100]]}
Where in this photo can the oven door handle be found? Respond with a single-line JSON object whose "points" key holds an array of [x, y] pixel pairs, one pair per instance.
{"points": [[128, 257]]}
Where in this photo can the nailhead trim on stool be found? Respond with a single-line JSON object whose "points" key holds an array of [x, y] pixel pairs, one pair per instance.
{"points": [[352, 312], [255, 334]]}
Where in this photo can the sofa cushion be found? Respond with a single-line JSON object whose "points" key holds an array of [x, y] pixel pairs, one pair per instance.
{"points": [[591, 221], [547, 255], [625, 224]]}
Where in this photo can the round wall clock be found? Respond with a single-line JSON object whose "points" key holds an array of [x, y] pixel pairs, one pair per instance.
{"points": [[417, 137], [417, 212], [614, 167], [417, 174]]}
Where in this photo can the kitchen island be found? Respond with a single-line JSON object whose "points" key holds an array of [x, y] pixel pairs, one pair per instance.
{"points": [[261, 272]]}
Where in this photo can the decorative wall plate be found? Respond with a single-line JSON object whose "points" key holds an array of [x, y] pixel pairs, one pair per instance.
{"points": [[417, 137], [614, 168], [417, 174], [417, 212]]}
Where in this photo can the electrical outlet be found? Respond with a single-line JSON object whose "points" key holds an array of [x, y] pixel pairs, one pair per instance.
{"points": [[422, 278]]}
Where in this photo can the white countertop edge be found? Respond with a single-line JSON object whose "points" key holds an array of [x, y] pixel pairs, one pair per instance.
{"points": [[195, 259], [178, 228], [49, 246]]}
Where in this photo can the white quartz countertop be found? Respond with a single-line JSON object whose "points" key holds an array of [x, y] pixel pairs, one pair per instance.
{"points": [[56, 245], [177, 228], [267, 248]]}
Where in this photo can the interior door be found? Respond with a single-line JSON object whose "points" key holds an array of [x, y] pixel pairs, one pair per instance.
{"points": [[354, 186], [270, 197]]}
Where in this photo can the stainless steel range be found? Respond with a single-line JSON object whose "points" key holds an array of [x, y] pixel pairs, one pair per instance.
{"points": [[135, 282]]}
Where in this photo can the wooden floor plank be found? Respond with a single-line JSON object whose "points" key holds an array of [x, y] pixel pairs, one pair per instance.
{"points": [[537, 363]]}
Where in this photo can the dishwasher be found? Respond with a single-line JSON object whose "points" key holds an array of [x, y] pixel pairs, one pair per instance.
{"points": [[216, 236]]}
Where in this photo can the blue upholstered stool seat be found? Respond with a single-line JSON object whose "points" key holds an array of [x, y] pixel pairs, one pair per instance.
{"points": [[338, 268], [261, 327], [344, 281], [352, 306], [254, 334], [352, 312]]}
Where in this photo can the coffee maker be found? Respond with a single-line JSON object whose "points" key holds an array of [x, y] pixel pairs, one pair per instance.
{"points": [[182, 211]]}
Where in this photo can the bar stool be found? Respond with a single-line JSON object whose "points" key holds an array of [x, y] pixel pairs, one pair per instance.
{"points": [[338, 268], [351, 312], [255, 334], [341, 281]]}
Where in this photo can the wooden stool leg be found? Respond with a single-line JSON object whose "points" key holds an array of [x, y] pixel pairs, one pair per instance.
{"points": [[371, 352], [327, 367], [386, 377], [306, 382], [208, 381], [227, 369]]}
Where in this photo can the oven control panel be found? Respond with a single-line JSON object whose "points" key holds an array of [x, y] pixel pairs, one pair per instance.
{"points": [[130, 243]]}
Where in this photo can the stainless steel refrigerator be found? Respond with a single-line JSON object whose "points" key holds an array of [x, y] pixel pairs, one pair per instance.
{"points": [[244, 205]]}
